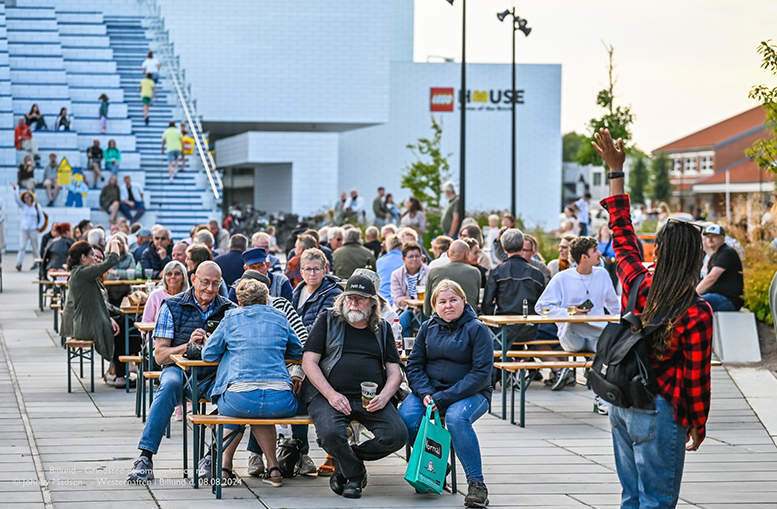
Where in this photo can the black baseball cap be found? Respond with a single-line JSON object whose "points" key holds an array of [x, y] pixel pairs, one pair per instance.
{"points": [[360, 285]]}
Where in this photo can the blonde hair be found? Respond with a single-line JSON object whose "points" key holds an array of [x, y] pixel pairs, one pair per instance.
{"points": [[448, 285], [251, 291], [393, 242]]}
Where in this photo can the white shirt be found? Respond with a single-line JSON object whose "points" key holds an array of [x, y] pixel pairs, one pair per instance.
{"points": [[356, 204], [583, 206], [137, 192], [438, 262], [570, 288], [150, 65]]}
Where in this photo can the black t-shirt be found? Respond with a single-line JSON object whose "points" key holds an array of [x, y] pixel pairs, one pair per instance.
{"points": [[360, 361], [95, 153], [730, 284]]}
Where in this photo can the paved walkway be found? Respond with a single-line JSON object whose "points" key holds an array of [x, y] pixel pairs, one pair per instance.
{"points": [[73, 450]]}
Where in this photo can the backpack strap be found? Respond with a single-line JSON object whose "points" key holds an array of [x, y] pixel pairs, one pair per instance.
{"points": [[632, 302]]}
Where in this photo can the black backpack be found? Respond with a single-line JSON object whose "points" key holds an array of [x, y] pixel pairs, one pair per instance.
{"points": [[621, 373]]}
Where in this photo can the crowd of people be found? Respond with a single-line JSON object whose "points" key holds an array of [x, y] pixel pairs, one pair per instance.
{"points": [[340, 305]]}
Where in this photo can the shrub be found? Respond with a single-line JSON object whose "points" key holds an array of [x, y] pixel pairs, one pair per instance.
{"points": [[759, 265]]}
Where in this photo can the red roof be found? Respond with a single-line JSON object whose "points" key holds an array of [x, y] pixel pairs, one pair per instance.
{"points": [[711, 136], [745, 172]]}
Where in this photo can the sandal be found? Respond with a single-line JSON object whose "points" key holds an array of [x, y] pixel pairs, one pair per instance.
{"points": [[275, 482], [325, 471], [227, 477]]}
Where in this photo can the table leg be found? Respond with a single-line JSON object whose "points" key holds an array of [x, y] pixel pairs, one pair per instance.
{"points": [[126, 352], [185, 445], [503, 336], [523, 396], [217, 477], [512, 402]]}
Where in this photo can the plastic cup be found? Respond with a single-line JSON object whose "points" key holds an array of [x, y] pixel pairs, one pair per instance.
{"points": [[421, 290], [149, 273], [409, 344], [571, 310], [369, 390]]}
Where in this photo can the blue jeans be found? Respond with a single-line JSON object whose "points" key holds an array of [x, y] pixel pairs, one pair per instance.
{"points": [[139, 209], [459, 418], [407, 322], [298, 431], [718, 302], [167, 397], [649, 455], [257, 404], [112, 167]]}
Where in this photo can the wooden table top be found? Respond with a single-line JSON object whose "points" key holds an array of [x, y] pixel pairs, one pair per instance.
{"points": [[527, 354], [183, 362], [145, 326], [415, 303], [499, 320]]}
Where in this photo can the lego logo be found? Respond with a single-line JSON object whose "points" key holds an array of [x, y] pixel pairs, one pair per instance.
{"points": [[441, 99]]}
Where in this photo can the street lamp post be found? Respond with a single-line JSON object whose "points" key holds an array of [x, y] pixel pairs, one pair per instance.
{"points": [[518, 24], [463, 107]]}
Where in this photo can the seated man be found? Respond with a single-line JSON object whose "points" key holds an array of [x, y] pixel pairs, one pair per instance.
{"points": [[159, 253], [512, 283], [182, 319], [131, 200], [257, 259], [588, 290], [457, 269], [723, 286], [352, 255], [348, 345]]}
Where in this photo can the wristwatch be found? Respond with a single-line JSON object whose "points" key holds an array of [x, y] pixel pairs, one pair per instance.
{"points": [[615, 175]]}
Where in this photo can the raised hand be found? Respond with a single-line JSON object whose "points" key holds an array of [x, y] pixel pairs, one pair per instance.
{"points": [[613, 155]]}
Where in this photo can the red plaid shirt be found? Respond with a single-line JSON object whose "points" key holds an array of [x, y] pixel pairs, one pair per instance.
{"points": [[684, 372]]}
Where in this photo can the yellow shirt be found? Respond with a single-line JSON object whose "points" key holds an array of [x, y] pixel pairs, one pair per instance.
{"points": [[172, 137], [147, 88]]}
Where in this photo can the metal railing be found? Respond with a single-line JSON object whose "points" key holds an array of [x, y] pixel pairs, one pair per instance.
{"points": [[162, 44]]}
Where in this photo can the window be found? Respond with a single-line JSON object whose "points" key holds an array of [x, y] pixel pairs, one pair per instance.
{"points": [[706, 164], [690, 165], [677, 165], [597, 179]]}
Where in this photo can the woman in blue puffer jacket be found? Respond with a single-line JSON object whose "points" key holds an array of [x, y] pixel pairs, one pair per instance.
{"points": [[450, 367]]}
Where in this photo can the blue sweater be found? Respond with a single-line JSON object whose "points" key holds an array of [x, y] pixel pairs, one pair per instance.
{"points": [[451, 361]]}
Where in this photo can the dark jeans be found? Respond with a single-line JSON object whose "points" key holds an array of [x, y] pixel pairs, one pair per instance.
{"points": [[718, 302], [298, 431], [331, 427], [139, 209]]}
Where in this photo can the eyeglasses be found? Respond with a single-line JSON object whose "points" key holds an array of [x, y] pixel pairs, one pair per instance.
{"points": [[338, 239], [413, 257], [160, 238], [527, 250], [176, 273], [358, 299], [208, 284], [312, 270], [563, 248]]}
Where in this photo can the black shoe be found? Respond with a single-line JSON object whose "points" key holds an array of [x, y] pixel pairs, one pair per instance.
{"points": [[562, 379], [477, 495], [337, 484], [354, 488], [535, 375]]}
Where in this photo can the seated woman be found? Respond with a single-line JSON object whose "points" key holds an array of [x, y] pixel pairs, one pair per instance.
{"points": [[450, 367], [174, 281], [91, 319], [110, 198], [405, 282], [35, 119], [55, 254], [252, 381]]}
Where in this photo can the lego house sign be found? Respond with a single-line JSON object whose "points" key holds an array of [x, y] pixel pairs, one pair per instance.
{"points": [[442, 99]]}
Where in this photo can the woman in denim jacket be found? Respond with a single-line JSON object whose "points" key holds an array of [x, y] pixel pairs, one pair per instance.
{"points": [[251, 344]]}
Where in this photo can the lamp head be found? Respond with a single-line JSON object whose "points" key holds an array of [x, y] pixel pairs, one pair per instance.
{"points": [[503, 15], [450, 2], [522, 26]]}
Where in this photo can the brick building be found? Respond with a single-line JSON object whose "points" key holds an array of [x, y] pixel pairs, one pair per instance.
{"points": [[711, 162]]}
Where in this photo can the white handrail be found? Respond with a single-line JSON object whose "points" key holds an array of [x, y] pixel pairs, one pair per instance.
{"points": [[186, 103]]}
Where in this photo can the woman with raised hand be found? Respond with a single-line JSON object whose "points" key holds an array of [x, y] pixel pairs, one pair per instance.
{"points": [[650, 444]]}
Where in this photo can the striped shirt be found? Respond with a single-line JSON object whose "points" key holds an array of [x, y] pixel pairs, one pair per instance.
{"points": [[412, 284]]}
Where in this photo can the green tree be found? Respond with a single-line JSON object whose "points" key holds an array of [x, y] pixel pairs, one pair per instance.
{"points": [[764, 151], [638, 180], [571, 143], [661, 186], [618, 119], [425, 177]]}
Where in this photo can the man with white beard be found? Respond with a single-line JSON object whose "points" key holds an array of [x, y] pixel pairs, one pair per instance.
{"points": [[350, 344]]}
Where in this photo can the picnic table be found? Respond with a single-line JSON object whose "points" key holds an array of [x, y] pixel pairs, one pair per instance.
{"points": [[127, 311], [500, 321], [418, 304]]}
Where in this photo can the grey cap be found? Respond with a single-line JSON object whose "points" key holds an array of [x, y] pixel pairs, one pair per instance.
{"points": [[143, 232]]}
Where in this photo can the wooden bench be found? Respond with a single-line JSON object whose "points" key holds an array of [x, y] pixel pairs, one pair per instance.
{"points": [[42, 283], [79, 349], [521, 367]]}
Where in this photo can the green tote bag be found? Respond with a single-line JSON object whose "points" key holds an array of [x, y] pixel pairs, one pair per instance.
{"points": [[429, 460]]}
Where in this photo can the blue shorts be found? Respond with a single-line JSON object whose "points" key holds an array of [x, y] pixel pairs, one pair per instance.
{"points": [[172, 155]]}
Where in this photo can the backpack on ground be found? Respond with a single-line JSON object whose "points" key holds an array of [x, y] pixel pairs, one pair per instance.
{"points": [[621, 373], [289, 456]]}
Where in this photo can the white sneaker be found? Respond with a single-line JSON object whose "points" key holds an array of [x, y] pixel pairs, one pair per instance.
{"points": [[600, 406], [306, 466], [255, 465]]}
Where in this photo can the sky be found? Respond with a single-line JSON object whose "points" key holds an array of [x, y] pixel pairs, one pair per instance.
{"points": [[681, 65]]}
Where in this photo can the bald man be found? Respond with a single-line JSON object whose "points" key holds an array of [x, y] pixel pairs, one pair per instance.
{"points": [[262, 239], [458, 270], [182, 319]]}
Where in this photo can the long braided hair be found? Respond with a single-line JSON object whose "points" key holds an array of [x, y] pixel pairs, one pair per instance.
{"points": [[679, 259]]}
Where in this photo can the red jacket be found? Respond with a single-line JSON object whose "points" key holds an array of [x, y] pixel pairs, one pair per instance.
{"points": [[20, 134], [684, 371]]}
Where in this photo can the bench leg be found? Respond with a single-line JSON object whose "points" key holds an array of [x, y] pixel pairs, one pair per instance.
{"points": [[185, 438], [453, 469], [523, 397], [91, 363], [69, 388], [195, 460], [81, 362], [56, 320], [219, 446]]}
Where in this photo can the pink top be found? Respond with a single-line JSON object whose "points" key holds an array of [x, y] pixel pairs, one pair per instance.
{"points": [[153, 304]]}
